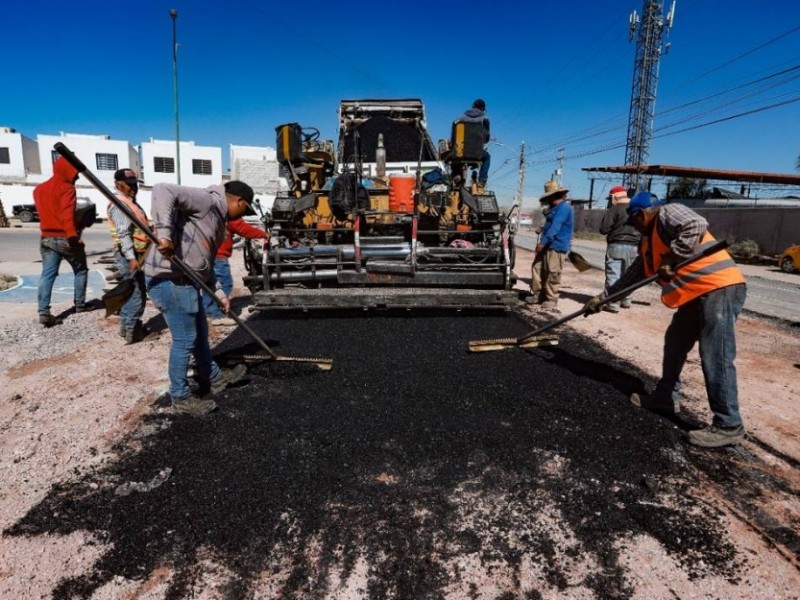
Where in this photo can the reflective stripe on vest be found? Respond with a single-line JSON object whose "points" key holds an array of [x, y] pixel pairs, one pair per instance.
{"points": [[704, 275], [140, 240]]}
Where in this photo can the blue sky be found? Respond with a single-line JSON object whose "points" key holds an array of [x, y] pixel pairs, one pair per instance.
{"points": [[554, 73]]}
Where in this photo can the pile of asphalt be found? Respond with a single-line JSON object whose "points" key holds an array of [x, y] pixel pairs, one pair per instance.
{"points": [[409, 454]]}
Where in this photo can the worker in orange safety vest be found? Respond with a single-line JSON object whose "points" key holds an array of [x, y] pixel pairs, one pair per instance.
{"points": [[708, 294], [130, 243]]}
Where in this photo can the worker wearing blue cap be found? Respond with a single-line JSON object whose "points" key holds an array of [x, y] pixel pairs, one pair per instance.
{"points": [[708, 294]]}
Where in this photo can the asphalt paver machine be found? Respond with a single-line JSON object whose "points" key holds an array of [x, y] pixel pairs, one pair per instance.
{"points": [[383, 218]]}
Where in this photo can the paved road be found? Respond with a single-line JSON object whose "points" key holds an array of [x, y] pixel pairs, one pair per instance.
{"points": [[19, 255], [770, 292]]}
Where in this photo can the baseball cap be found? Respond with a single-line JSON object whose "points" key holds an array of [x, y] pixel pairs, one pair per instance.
{"points": [[641, 201], [617, 189], [244, 191], [127, 175]]}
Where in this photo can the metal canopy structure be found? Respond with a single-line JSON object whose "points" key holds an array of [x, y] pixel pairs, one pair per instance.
{"points": [[700, 173]]}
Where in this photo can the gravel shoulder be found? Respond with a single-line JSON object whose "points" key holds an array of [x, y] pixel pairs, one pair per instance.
{"points": [[75, 400]]}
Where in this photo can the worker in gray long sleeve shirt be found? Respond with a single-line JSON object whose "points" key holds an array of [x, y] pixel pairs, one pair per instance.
{"points": [[190, 224], [131, 243]]}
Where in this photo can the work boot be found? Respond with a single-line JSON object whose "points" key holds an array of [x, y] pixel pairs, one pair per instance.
{"points": [[192, 405], [81, 308], [228, 378], [551, 305], [532, 300], [625, 304], [612, 308], [660, 406], [49, 320], [138, 334], [716, 437]]}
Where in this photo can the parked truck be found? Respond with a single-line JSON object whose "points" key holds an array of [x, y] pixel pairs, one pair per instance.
{"points": [[382, 218]]}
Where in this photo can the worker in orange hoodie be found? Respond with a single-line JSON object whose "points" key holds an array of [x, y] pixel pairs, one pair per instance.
{"points": [[222, 266], [61, 237]]}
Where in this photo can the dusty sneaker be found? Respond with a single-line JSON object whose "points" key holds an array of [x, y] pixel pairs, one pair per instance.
{"points": [[49, 320], [192, 405], [531, 300], [660, 406], [228, 378], [716, 437], [611, 308]]}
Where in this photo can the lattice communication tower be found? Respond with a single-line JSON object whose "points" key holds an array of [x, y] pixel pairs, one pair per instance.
{"points": [[654, 25]]}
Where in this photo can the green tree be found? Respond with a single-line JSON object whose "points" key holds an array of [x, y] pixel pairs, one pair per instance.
{"points": [[687, 187]]}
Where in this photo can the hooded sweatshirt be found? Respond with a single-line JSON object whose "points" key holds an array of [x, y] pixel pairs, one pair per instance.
{"points": [[194, 219], [55, 202], [476, 115]]}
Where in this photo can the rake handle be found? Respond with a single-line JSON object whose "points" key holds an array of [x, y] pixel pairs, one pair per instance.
{"points": [[720, 245], [70, 157]]}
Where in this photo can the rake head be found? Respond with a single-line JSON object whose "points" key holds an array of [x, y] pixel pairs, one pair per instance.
{"points": [[324, 364], [504, 343]]}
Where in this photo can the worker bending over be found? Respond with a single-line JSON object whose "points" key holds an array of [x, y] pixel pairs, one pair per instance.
{"points": [[708, 294]]}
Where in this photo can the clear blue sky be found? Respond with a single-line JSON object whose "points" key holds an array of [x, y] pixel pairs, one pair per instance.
{"points": [[552, 72]]}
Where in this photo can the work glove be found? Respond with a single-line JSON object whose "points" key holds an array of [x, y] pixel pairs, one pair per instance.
{"points": [[593, 305], [666, 270]]}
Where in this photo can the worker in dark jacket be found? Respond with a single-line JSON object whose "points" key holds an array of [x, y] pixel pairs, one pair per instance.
{"points": [[622, 240], [709, 294], [477, 114], [61, 238]]}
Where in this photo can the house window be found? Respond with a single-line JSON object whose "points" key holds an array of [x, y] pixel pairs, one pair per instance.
{"points": [[162, 164], [201, 166], [106, 162], [5, 158]]}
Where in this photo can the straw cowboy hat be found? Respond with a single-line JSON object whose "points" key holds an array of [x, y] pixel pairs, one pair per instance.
{"points": [[552, 188]]}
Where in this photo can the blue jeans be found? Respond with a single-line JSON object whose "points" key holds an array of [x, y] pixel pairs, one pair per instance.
{"points": [[53, 250], [183, 311], [133, 309], [222, 273], [618, 258], [483, 173], [709, 319]]}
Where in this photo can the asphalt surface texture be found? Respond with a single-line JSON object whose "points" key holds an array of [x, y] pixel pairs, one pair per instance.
{"points": [[412, 453]]}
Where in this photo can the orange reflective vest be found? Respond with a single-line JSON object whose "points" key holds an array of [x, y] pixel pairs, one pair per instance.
{"points": [[140, 240], [704, 275]]}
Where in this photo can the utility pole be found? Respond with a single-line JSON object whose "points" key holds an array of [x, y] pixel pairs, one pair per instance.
{"points": [[174, 15], [521, 182], [645, 84], [559, 174]]}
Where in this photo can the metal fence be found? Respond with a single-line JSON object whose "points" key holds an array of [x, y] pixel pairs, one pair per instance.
{"points": [[773, 229]]}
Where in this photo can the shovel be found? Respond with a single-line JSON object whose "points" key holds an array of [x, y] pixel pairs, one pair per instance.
{"points": [[579, 262], [323, 363], [534, 338], [116, 297]]}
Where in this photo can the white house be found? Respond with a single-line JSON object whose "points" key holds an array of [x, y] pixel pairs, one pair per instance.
{"points": [[200, 166], [257, 166], [19, 156], [101, 155]]}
